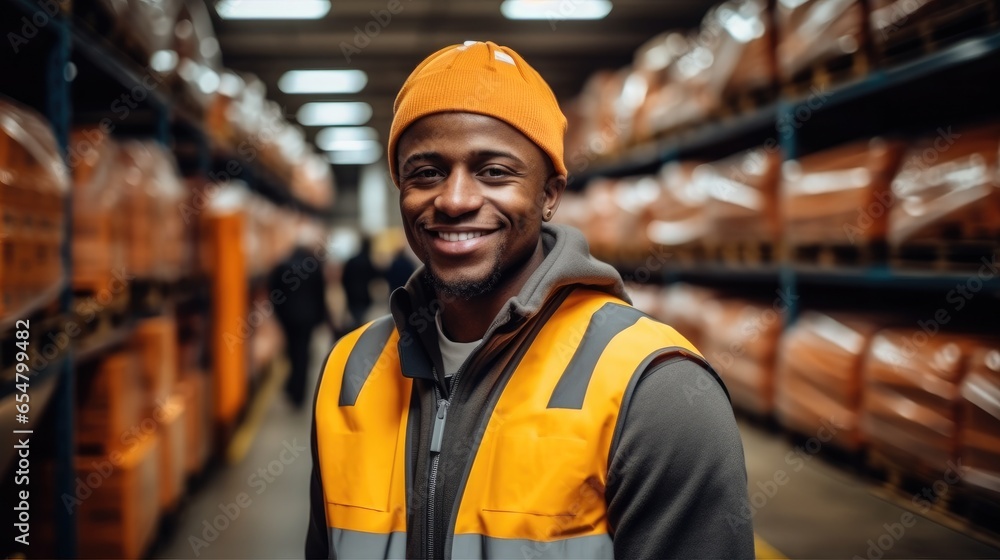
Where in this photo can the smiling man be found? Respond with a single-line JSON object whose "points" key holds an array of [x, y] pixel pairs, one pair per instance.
{"points": [[514, 404]]}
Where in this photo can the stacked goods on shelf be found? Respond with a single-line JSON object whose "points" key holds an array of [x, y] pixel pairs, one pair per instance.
{"points": [[648, 83], [199, 60], [980, 422], [99, 220], [682, 307], [592, 131], [732, 54], [646, 298], [818, 379], [817, 38], [33, 189], [110, 400], [678, 217], [840, 196], [573, 210], [155, 338], [657, 113], [118, 520], [618, 214], [676, 80], [910, 399], [901, 27], [948, 188], [153, 197], [117, 464], [742, 195], [243, 122], [269, 235], [140, 28], [312, 180], [741, 342], [194, 385]]}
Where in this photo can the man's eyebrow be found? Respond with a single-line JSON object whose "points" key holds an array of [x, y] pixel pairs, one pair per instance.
{"points": [[421, 156], [498, 153]]}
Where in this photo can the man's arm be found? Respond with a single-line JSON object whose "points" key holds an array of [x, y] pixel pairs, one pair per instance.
{"points": [[677, 483]]}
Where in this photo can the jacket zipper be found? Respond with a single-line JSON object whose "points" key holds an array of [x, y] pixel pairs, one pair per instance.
{"points": [[440, 417], [437, 438]]}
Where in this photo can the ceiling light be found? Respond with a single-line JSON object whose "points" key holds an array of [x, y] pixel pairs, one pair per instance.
{"points": [[555, 10], [370, 152], [335, 113], [272, 9], [323, 81], [328, 138]]}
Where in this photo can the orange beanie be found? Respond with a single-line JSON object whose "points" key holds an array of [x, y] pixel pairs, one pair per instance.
{"points": [[486, 79]]}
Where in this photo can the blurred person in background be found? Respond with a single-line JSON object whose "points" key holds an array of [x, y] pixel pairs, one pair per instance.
{"points": [[400, 268], [301, 280], [359, 271], [514, 404]]}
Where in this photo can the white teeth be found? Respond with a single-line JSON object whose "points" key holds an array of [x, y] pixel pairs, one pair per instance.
{"points": [[459, 236]]}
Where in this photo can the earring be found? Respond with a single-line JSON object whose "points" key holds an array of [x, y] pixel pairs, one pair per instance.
{"points": [[548, 214]]}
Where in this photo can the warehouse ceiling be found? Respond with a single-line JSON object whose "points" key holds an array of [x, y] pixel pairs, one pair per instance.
{"points": [[366, 35]]}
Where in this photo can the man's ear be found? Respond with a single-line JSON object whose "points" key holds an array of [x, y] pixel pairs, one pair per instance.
{"points": [[552, 192]]}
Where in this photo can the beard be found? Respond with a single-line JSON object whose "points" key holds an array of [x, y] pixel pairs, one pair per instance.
{"points": [[463, 289], [467, 289]]}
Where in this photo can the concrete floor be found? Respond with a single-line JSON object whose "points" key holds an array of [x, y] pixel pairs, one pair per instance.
{"points": [[818, 511]]}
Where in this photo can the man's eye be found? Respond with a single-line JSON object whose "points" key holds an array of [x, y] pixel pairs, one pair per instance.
{"points": [[425, 173], [495, 172]]}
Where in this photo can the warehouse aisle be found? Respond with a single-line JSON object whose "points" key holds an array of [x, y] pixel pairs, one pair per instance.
{"points": [[271, 482]]}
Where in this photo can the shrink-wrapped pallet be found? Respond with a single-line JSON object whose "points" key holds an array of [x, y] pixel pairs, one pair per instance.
{"points": [[683, 308], [741, 339], [619, 210], [118, 517], [840, 196], [814, 32], [742, 196], [110, 403], [99, 219], [910, 396], [33, 189], [948, 187], [678, 216], [818, 380], [891, 20], [651, 67], [980, 431]]}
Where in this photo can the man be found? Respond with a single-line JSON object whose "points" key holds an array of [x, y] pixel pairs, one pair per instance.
{"points": [[514, 405], [303, 309]]}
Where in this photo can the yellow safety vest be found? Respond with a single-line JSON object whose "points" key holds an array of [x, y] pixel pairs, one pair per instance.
{"points": [[536, 486]]}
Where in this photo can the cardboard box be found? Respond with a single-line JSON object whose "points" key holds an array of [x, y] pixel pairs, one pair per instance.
{"points": [[110, 401], [118, 518]]}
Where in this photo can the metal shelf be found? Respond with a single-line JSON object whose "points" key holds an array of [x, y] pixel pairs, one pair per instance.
{"points": [[763, 123], [48, 296]]}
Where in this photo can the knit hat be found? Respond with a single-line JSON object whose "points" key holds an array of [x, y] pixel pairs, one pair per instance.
{"points": [[486, 79]]}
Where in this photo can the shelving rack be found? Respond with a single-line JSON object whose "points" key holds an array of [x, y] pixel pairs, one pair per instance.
{"points": [[73, 76], [939, 90]]}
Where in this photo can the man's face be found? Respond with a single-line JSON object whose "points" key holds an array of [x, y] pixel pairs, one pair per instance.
{"points": [[473, 191]]}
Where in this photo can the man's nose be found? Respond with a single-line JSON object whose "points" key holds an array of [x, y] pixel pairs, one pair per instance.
{"points": [[460, 195]]}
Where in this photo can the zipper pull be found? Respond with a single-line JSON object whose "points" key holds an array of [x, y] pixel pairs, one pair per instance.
{"points": [[438, 433]]}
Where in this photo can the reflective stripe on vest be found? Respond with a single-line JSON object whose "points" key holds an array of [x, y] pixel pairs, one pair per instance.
{"points": [[536, 485]]}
